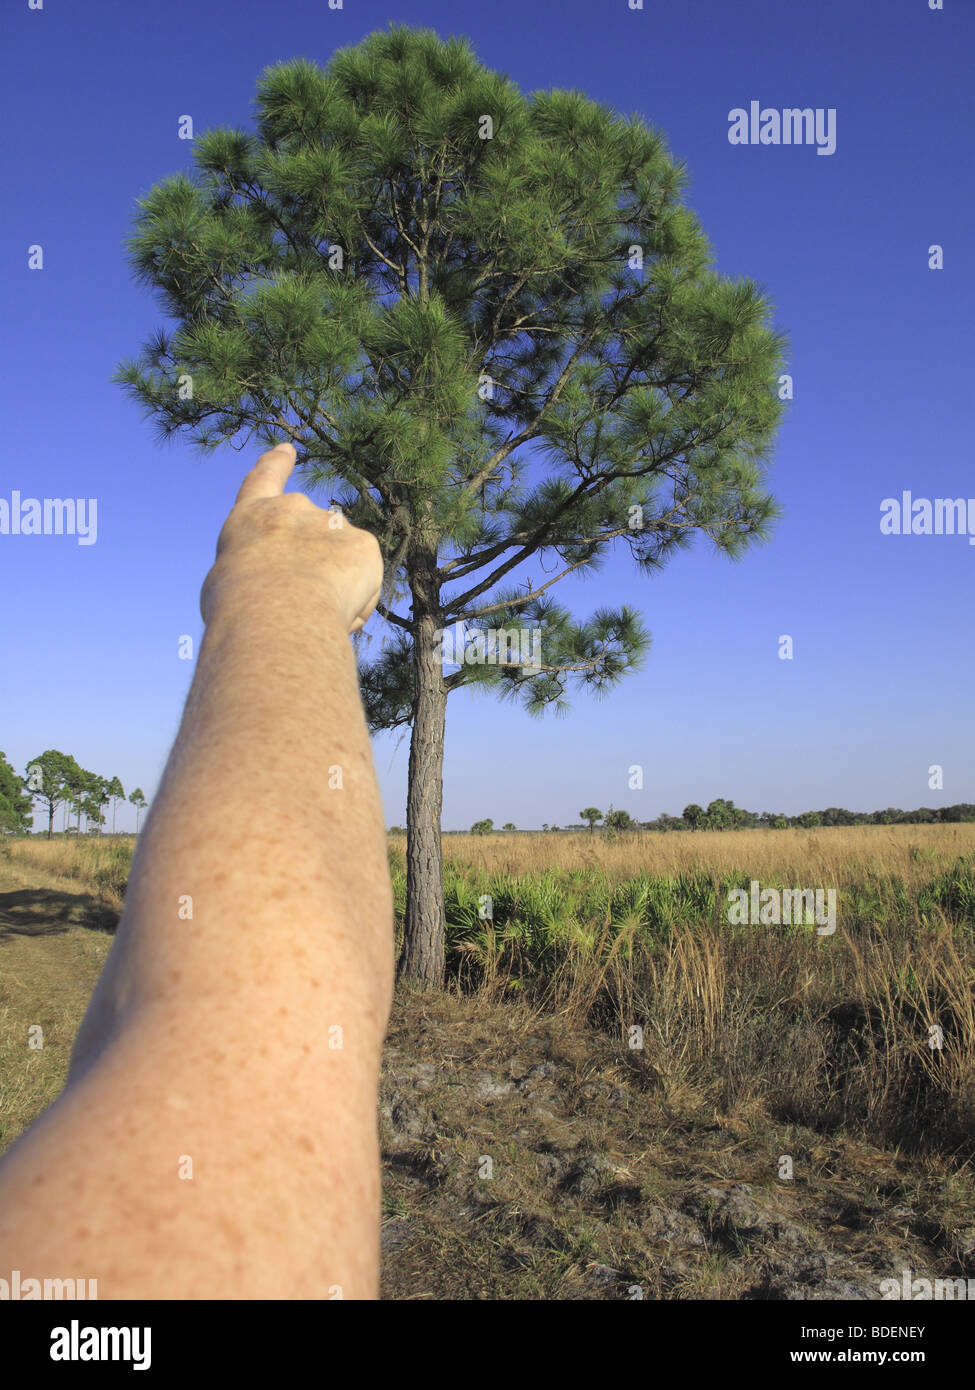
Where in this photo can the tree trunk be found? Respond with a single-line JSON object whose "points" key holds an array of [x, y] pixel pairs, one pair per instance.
{"points": [[50, 820], [422, 960]]}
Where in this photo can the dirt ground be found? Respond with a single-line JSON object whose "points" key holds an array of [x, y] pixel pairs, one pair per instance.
{"points": [[527, 1160]]}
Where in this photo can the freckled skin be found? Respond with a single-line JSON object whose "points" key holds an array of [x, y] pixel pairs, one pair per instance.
{"points": [[205, 1160]]}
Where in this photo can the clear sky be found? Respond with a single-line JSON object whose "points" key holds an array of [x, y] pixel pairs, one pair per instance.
{"points": [[882, 680]]}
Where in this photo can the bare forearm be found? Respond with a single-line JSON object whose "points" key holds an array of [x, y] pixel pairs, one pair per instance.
{"points": [[266, 836]]}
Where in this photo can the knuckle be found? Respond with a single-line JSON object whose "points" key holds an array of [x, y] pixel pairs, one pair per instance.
{"points": [[298, 502]]}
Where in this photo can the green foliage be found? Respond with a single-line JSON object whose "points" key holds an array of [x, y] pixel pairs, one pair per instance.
{"points": [[591, 815], [138, 800], [482, 827], [539, 919], [96, 796], [720, 814], [451, 331], [725, 815], [116, 793], [15, 807], [954, 892], [86, 794], [53, 779]]}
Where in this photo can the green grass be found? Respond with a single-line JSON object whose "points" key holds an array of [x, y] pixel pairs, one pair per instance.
{"points": [[833, 1031]]}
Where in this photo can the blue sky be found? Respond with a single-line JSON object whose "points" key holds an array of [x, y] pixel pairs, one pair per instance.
{"points": [[880, 687]]}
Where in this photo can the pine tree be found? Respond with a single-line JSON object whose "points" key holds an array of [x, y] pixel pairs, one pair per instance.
{"points": [[15, 808], [138, 800], [116, 794], [53, 778], [97, 795], [492, 331]]}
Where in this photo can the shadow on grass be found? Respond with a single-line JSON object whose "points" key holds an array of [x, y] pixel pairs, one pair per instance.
{"points": [[43, 912]]}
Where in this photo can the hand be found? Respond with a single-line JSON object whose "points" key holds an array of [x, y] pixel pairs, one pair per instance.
{"points": [[279, 538]]}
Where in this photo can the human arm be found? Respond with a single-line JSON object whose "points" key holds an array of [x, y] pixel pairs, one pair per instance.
{"points": [[211, 1038]]}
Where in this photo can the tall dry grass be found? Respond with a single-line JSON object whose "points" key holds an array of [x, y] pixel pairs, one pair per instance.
{"points": [[824, 855], [871, 1029], [100, 863]]}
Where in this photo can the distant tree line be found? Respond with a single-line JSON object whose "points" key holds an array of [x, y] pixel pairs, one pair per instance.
{"points": [[55, 780], [722, 814], [725, 815]]}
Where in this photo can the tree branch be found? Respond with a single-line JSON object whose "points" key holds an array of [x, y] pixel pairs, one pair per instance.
{"points": [[395, 618], [528, 432]]}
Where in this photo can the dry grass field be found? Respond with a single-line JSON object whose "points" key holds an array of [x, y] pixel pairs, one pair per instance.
{"points": [[837, 855], [668, 1101], [872, 1026]]}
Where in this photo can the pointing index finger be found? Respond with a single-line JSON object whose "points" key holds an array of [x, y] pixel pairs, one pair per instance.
{"points": [[269, 474]]}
